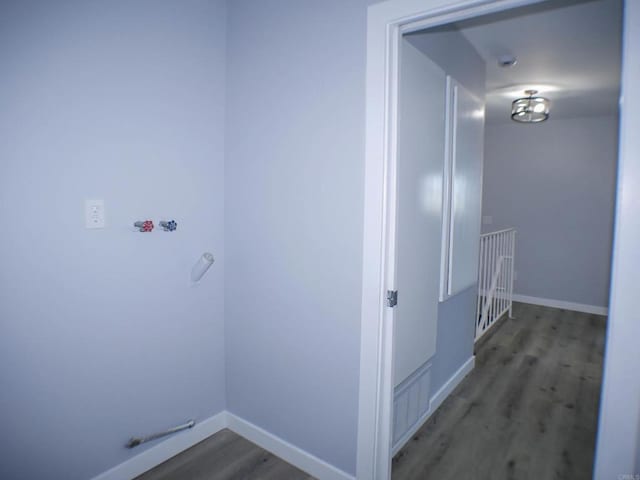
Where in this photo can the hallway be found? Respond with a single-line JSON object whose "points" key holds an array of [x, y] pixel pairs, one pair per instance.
{"points": [[527, 411]]}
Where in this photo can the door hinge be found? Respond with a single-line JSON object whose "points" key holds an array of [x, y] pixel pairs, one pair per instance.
{"points": [[392, 298]]}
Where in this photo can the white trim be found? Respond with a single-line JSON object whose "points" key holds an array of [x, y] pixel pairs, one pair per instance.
{"points": [[171, 447], [385, 23], [162, 452], [618, 436], [446, 390], [436, 400], [549, 302], [409, 433], [376, 352], [294, 455]]}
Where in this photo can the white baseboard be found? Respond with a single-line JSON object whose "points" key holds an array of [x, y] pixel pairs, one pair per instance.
{"points": [[285, 450], [436, 400], [548, 302], [442, 394], [162, 452], [165, 450]]}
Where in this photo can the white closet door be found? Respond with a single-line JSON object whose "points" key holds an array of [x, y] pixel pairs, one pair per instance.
{"points": [[421, 144], [466, 189]]}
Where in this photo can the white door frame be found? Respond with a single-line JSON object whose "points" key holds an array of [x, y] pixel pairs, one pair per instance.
{"points": [[386, 22]]}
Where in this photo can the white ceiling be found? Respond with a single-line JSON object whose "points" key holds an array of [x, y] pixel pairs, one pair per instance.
{"points": [[568, 50]]}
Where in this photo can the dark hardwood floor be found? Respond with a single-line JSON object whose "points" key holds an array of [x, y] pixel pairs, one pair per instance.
{"points": [[527, 411], [225, 456]]}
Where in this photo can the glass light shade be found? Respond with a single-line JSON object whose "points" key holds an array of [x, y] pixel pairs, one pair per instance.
{"points": [[530, 109]]}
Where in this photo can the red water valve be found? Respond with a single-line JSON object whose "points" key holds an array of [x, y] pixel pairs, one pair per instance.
{"points": [[145, 226]]}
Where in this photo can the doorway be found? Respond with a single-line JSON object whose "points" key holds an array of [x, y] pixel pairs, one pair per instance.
{"points": [[384, 409]]}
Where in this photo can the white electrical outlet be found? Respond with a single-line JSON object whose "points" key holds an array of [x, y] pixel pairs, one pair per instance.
{"points": [[94, 214]]}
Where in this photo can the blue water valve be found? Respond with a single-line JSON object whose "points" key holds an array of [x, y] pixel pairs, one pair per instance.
{"points": [[169, 226]]}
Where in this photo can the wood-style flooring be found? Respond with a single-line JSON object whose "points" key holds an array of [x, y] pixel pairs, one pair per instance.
{"points": [[528, 411], [225, 456]]}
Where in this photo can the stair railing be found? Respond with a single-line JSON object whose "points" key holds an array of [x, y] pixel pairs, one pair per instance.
{"points": [[495, 278]]}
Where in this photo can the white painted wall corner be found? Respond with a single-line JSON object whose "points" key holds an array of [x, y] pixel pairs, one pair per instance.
{"points": [[285, 450], [171, 447]]}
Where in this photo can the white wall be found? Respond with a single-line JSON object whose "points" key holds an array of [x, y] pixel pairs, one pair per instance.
{"points": [[618, 448], [294, 177], [101, 336], [555, 182], [466, 65], [456, 326]]}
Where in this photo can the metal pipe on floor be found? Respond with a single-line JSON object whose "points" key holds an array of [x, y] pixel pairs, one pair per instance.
{"points": [[135, 441]]}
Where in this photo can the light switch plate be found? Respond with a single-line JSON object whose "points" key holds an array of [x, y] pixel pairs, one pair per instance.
{"points": [[487, 220], [94, 214]]}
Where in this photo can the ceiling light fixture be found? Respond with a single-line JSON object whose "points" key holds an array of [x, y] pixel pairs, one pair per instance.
{"points": [[530, 109]]}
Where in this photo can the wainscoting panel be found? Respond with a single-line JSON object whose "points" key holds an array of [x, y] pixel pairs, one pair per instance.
{"points": [[411, 403]]}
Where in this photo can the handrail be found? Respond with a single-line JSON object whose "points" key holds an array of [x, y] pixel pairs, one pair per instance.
{"points": [[484, 235]]}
